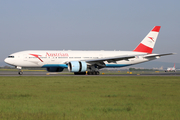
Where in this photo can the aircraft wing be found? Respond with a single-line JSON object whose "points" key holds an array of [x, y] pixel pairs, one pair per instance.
{"points": [[100, 61], [158, 55], [114, 59]]}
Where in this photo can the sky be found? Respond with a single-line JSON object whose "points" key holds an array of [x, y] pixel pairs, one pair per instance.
{"points": [[88, 25]]}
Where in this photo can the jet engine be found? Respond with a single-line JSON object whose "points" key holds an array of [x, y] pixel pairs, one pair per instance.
{"points": [[54, 69], [77, 66]]}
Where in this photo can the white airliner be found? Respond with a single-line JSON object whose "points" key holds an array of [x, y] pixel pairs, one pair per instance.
{"points": [[171, 69], [86, 62]]}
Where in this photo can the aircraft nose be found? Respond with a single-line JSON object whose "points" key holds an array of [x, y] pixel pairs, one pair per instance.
{"points": [[8, 61]]}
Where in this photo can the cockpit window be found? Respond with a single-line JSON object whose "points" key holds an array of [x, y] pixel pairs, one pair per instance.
{"points": [[10, 56]]}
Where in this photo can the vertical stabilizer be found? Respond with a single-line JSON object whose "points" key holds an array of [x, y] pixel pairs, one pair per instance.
{"points": [[147, 44]]}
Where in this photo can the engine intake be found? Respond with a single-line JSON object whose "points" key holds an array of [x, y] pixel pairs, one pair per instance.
{"points": [[77, 66]]}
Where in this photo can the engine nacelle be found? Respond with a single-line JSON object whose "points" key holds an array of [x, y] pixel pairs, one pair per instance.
{"points": [[54, 69], [77, 66]]}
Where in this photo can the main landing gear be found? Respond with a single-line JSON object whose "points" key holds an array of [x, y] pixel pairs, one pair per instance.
{"points": [[87, 73], [93, 70]]}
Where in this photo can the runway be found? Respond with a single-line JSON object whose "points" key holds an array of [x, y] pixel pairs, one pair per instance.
{"points": [[44, 73]]}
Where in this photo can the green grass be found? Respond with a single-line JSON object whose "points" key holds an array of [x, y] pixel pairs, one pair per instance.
{"points": [[89, 98]]}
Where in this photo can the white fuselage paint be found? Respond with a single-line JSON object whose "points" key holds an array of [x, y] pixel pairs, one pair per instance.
{"points": [[46, 57]]}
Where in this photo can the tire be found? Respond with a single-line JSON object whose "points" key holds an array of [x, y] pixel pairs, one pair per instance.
{"points": [[93, 73], [97, 72], [20, 72]]}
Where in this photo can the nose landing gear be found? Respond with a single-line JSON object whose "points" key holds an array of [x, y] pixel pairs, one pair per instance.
{"points": [[20, 72]]}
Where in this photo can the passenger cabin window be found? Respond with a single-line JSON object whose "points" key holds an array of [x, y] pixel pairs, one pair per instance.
{"points": [[10, 56]]}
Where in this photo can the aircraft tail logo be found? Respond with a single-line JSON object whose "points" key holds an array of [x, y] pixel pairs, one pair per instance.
{"points": [[151, 38], [147, 44]]}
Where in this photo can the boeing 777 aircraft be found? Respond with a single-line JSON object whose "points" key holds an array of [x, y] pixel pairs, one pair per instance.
{"points": [[82, 62]]}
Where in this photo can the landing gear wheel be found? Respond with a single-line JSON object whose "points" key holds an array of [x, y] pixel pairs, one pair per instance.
{"points": [[89, 73], [93, 73], [97, 73], [20, 72]]}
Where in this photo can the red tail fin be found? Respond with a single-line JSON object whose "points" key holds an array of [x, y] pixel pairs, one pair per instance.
{"points": [[147, 44]]}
